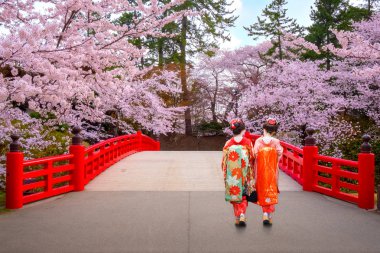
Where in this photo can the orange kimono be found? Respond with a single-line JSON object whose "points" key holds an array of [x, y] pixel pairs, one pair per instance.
{"points": [[267, 151]]}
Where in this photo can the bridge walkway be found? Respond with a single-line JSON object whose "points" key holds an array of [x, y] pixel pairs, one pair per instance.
{"points": [[174, 202]]}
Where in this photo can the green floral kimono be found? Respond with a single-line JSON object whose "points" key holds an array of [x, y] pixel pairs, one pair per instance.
{"points": [[237, 169]]}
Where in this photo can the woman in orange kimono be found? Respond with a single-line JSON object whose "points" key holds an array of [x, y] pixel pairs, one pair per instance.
{"points": [[268, 152], [238, 170]]}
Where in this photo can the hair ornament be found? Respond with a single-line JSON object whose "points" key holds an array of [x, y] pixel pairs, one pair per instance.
{"points": [[272, 121], [233, 122]]}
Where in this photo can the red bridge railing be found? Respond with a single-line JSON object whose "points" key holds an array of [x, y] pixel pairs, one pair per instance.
{"points": [[351, 181], [32, 180]]}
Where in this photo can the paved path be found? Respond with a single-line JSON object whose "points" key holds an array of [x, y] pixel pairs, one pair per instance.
{"points": [[170, 171], [155, 214]]}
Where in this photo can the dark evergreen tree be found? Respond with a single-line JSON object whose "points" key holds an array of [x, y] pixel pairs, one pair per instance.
{"points": [[329, 15], [273, 24]]}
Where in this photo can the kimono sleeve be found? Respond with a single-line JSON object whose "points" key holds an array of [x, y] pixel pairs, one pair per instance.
{"points": [[224, 160], [224, 163], [256, 147], [279, 149]]}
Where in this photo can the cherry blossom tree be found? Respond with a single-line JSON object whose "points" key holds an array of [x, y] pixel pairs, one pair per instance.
{"points": [[210, 77], [221, 79], [68, 63], [358, 73], [298, 93]]}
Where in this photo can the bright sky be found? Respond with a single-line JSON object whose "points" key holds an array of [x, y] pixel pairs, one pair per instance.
{"points": [[248, 10]]}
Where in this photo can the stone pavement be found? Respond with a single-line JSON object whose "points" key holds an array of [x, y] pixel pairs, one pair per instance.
{"points": [[153, 213]]}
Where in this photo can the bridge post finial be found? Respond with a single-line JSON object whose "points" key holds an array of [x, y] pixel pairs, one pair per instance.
{"points": [[310, 140], [366, 147], [115, 131], [366, 169], [77, 139], [310, 151], [14, 173], [15, 145], [78, 152]]}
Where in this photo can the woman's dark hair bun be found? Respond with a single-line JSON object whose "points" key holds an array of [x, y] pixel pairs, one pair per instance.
{"points": [[237, 125], [271, 125]]}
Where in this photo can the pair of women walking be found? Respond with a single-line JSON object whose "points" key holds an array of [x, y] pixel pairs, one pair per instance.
{"points": [[252, 170]]}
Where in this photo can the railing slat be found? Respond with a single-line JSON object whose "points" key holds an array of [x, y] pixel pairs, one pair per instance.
{"points": [[47, 159], [30, 186], [61, 179], [339, 161]]}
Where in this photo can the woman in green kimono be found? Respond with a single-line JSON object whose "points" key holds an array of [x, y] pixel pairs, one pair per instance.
{"points": [[238, 170]]}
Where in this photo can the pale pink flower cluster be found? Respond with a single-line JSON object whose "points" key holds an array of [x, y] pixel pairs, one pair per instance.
{"points": [[299, 93], [71, 60], [359, 71], [71, 63]]}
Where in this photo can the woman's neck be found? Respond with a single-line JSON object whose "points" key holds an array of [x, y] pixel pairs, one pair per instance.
{"points": [[267, 134], [238, 137]]}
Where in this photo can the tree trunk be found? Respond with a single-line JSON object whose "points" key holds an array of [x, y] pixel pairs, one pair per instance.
{"points": [[160, 52], [280, 47], [213, 102], [369, 7], [213, 106], [328, 59], [185, 91], [328, 27]]}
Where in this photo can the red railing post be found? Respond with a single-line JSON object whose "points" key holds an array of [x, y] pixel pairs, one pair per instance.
{"points": [[78, 150], [366, 175], [139, 141], [14, 175], [310, 151]]}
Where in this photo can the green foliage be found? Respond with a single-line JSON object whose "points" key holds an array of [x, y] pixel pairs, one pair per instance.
{"points": [[216, 126], [210, 128], [55, 141], [201, 31], [35, 115], [351, 149], [60, 143], [273, 25], [58, 139], [329, 15], [2, 182], [274, 22]]}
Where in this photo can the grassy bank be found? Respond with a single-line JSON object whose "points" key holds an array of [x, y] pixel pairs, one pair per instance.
{"points": [[2, 203]]}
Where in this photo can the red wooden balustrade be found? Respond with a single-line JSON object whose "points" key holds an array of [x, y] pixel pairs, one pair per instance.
{"points": [[32, 180], [37, 179], [327, 179], [351, 181]]}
